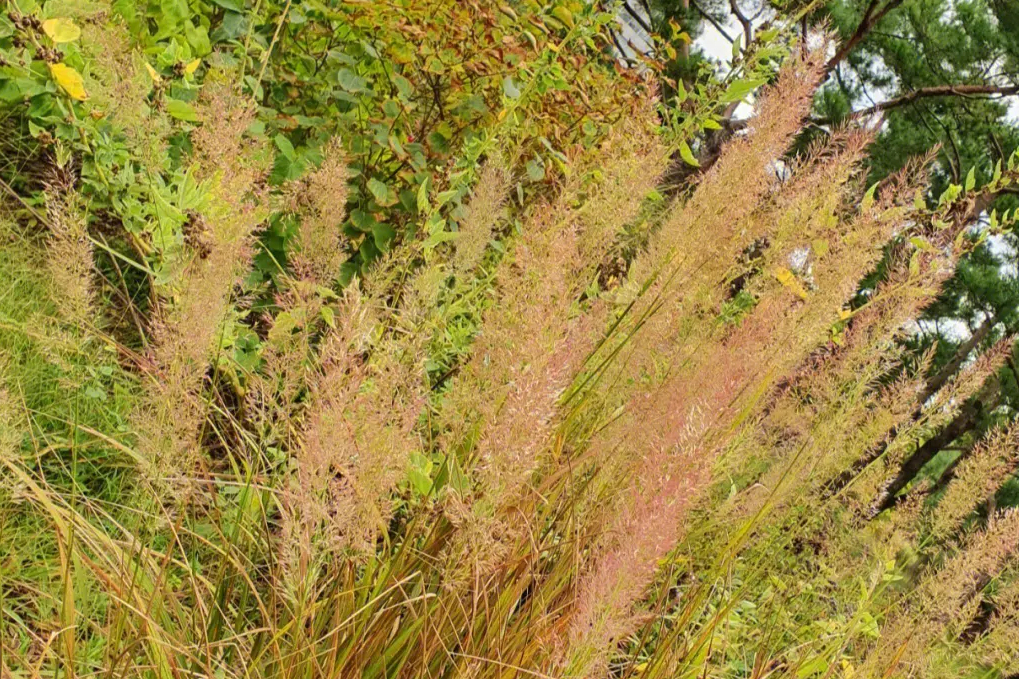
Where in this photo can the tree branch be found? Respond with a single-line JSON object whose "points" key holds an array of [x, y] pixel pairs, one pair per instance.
{"points": [[938, 91], [927, 93], [870, 18], [748, 28], [639, 19], [711, 20]]}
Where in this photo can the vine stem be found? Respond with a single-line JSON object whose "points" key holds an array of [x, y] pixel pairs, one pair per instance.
{"points": [[275, 38], [247, 40]]}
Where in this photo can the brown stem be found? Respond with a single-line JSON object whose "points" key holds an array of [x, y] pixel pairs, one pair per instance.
{"points": [[964, 422], [938, 380], [870, 18], [927, 92], [748, 28]]}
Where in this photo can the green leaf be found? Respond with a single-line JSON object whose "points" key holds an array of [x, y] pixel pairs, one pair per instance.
{"points": [[181, 110], [384, 235], [440, 237], [564, 15], [350, 81], [232, 5], [172, 14], [424, 206], [681, 93], [285, 147], [383, 194], [446, 196], [420, 474], [403, 86], [329, 316], [535, 170], [950, 194], [739, 89], [971, 179], [509, 88], [687, 155], [198, 38], [868, 198], [96, 393]]}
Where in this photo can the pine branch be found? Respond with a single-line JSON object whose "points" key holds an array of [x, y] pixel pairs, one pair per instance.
{"points": [[870, 19], [937, 91]]}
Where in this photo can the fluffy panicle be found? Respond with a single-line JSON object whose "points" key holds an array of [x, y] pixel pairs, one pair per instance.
{"points": [[273, 397], [481, 216], [185, 339], [644, 531], [946, 601], [10, 421], [321, 202], [883, 475], [524, 358], [69, 258], [631, 163], [815, 430], [122, 88], [977, 476], [701, 240], [702, 229], [999, 646], [945, 596], [357, 439], [722, 382], [536, 336], [848, 422], [321, 494], [788, 321]]}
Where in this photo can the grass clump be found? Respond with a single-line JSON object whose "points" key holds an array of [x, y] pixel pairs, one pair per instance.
{"points": [[565, 421]]}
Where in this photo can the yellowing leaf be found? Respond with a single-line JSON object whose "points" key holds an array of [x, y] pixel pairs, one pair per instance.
{"points": [[788, 279], [192, 67], [914, 263], [508, 11], [69, 80], [918, 201], [564, 15], [61, 30], [152, 73]]}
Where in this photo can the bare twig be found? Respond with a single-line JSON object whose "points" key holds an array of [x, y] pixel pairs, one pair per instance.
{"points": [[711, 20], [870, 18], [748, 27]]}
